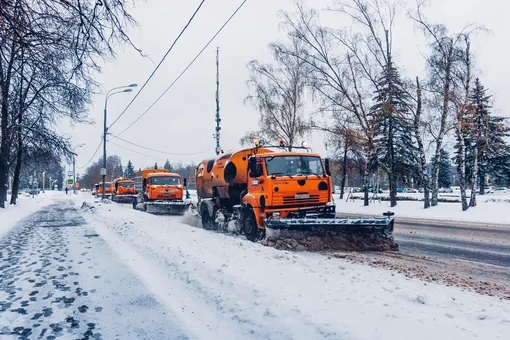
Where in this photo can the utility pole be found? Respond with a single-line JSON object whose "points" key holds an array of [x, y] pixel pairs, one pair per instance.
{"points": [[74, 174], [218, 119], [43, 178]]}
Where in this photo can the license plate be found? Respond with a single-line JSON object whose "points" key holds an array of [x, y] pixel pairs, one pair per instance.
{"points": [[301, 196]]}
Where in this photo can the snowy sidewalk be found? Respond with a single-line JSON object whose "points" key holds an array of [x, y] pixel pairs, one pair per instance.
{"points": [[222, 286], [25, 206], [58, 279]]}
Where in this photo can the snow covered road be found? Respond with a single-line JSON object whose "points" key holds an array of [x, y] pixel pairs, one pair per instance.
{"points": [[58, 279], [219, 286]]}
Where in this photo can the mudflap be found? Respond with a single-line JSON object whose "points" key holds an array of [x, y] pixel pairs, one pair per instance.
{"points": [[167, 208], [315, 234]]}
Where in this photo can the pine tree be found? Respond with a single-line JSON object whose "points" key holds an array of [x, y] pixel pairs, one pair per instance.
{"points": [[156, 165], [445, 176], [167, 165], [130, 170], [395, 150], [486, 133]]}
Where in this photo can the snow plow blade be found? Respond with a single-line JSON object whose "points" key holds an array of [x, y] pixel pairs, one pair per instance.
{"points": [[123, 198], [167, 208], [374, 234]]}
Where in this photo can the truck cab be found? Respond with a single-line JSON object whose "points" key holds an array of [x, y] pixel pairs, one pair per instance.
{"points": [[288, 184], [163, 186], [123, 186], [108, 188]]}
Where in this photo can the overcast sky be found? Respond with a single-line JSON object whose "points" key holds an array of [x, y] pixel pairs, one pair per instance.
{"points": [[184, 120]]}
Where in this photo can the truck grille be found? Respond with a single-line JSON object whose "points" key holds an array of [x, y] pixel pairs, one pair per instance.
{"points": [[291, 200], [166, 197]]}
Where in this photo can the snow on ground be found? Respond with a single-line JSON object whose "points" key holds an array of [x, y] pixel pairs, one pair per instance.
{"points": [[485, 211], [221, 286], [25, 206]]}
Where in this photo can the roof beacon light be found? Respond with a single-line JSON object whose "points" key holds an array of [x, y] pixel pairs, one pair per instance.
{"points": [[257, 143], [304, 144], [282, 142]]}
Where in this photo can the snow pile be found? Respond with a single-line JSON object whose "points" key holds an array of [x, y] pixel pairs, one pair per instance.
{"points": [[223, 287], [25, 206], [484, 212]]}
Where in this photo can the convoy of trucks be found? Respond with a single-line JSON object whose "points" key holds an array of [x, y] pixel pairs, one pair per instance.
{"points": [[265, 192]]}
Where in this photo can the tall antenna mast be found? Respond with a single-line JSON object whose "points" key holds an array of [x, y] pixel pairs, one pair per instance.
{"points": [[218, 119]]}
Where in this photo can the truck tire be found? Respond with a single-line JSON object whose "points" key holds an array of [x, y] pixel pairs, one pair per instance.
{"points": [[134, 202], [250, 228], [205, 215]]}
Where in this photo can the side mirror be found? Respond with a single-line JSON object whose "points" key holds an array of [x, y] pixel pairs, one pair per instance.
{"points": [[185, 182], [326, 165]]}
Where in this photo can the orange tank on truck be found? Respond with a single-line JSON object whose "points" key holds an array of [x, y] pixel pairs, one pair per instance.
{"points": [[269, 190]]}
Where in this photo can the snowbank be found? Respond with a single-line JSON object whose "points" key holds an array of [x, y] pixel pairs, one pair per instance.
{"points": [[224, 287], [486, 211], [25, 206]]}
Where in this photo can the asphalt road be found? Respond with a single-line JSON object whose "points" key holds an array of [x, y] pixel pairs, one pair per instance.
{"points": [[59, 279], [476, 242]]}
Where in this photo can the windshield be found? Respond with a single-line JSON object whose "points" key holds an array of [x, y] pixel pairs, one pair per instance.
{"points": [[126, 184], [108, 185], [294, 165], [165, 180]]}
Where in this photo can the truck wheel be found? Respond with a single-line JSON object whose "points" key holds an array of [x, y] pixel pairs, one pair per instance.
{"points": [[250, 227], [145, 207], [135, 202], [207, 220]]}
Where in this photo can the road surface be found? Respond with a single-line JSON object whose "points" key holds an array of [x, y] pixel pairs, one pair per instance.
{"points": [[58, 279], [477, 249]]}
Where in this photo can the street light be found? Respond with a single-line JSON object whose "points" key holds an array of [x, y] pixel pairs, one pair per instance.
{"points": [[121, 89], [74, 166]]}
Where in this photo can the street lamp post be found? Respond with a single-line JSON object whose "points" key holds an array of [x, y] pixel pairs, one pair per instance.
{"points": [[120, 89]]}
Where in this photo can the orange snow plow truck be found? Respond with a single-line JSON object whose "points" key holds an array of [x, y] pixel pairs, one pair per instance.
{"points": [[123, 190], [159, 192], [284, 198], [108, 189]]}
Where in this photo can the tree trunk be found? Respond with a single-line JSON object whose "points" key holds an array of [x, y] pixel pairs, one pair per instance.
{"points": [[472, 201], [482, 182], [424, 174], [442, 128], [4, 156], [462, 165], [344, 172], [365, 186], [17, 172]]}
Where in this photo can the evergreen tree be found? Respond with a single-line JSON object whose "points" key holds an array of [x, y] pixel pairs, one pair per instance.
{"points": [[167, 165], [445, 176], [130, 170], [487, 133], [395, 150], [156, 165]]}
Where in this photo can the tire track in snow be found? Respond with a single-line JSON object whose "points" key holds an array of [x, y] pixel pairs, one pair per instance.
{"points": [[224, 315]]}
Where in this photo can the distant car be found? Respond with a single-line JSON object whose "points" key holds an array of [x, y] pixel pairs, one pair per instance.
{"points": [[445, 190], [500, 189], [421, 190], [410, 191], [400, 190], [371, 189]]}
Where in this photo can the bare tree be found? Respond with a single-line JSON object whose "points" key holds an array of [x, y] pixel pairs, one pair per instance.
{"points": [[278, 92], [49, 50], [345, 66]]}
